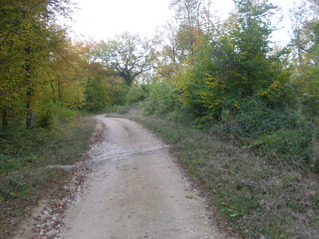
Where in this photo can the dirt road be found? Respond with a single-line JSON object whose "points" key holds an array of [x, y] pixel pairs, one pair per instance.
{"points": [[136, 191]]}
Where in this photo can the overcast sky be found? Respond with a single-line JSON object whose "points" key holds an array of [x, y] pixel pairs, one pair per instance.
{"points": [[102, 19]]}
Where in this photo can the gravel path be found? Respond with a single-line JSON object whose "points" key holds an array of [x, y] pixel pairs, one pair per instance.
{"points": [[136, 191]]}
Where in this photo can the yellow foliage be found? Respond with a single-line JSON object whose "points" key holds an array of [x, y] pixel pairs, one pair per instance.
{"points": [[275, 84], [182, 77], [213, 84], [215, 103], [262, 93]]}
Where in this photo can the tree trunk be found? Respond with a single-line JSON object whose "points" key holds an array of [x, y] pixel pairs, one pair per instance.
{"points": [[60, 95], [53, 91], [4, 119], [29, 119], [29, 93], [299, 50]]}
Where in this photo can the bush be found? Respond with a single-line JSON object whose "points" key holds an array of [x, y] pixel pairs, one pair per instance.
{"points": [[45, 116], [137, 93], [162, 98], [64, 114], [278, 133], [292, 146], [256, 119], [253, 119]]}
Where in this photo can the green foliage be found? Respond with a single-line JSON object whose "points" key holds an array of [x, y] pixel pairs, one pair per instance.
{"points": [[45, 115], [97, 96], [245, 93], [305, 44], [102, 89], [38, 64], [63, 114], [282, 135], [293, 146], [128, 55], [137, 93], [310, 90], [237, 66], [162, 98], [256, 119]]}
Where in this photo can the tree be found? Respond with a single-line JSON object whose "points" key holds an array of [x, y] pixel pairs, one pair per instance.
{"points": [[177, 41], [238, 65], [103, 89], [26, 41], [167, 59], [127, 54], [191, 16], [299, 16], [305, 42]]}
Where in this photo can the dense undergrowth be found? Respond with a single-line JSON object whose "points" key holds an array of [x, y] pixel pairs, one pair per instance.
{"points": [[287, 133], [25, 178], [258, 196]]}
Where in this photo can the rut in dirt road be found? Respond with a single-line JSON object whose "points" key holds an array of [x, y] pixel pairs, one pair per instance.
{"points": [[136, 191]]}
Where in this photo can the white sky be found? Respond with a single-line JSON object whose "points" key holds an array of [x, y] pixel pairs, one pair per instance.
{"points": [[102, 19]]}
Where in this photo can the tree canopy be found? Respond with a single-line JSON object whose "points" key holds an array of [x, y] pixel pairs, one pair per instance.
{"points": [[128, 55]]}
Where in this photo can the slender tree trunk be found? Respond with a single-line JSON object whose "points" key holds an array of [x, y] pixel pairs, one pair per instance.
{"points": [[29, 93], [60, 91], [315, 150], [4, 119], [29, 119], [53, 91], [299, 51]]}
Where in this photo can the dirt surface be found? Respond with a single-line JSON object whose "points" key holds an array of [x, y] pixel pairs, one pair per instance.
{"points": [[136, 191]]}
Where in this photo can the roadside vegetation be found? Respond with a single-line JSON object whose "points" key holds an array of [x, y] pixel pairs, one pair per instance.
{"points": [[252, 195], [31, 167], [241, 114], [239, 109]]}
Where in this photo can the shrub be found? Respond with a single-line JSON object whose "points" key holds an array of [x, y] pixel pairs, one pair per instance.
{"points": [[45, 116], [292, 146], [278, 133], [162, 98], [63, 114], [137, 93]]}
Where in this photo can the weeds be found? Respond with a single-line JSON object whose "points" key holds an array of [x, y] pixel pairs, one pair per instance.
{"points": [[24, 176], [256, 197]]}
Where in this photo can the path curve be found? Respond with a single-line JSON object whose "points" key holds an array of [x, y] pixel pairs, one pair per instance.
{"points": [[136, 191]]}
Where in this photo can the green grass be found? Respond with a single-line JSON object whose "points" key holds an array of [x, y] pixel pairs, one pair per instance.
{"points": [[253, 195], [25, 178]]}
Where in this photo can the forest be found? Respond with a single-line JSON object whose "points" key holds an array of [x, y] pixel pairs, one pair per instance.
{"points": [[226, 77]]}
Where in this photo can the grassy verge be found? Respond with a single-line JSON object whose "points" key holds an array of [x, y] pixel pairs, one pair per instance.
{"points": [[25, 178], [253, 196]]}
